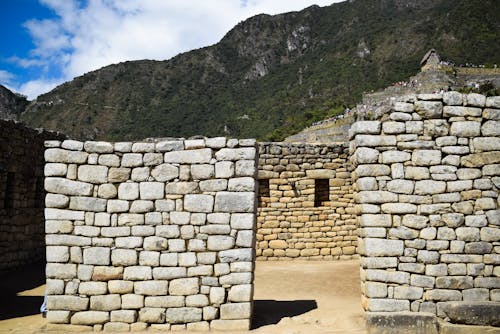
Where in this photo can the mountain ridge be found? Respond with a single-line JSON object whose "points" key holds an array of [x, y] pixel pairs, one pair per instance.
{"points": [[270, 76]]}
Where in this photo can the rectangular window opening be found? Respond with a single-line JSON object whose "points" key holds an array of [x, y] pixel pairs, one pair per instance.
{"points": [[9, 191], [264, 192], [321, 192]]}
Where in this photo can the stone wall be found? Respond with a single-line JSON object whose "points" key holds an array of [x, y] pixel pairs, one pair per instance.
{"points": [[306, 208], [427, 181], [150, 235], [21, 194]]}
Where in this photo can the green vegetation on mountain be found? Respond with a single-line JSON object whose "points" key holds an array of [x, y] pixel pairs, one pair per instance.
{"points": [[271, 76]]}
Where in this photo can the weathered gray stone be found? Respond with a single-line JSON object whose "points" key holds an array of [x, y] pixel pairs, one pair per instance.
{"points": [[151, 288], [152, 315], [151, 190], [183, 315], [381, 247], [372, 127], [198, 203], [68, 303], [426, 157], [474, 99], [235, 311], [427, 109], [184, 286], [375, 197], [67, 187], [131, 160], [96, 255], [189, 156], [473, 313], [452, 99], [137, 273], [64, 156], [372, 170], [372, 140], [169, 273], [234, 201], [365, 155], [216, 242], [236, 255]]}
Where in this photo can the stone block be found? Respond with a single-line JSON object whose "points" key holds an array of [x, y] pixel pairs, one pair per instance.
{"points": [[198, 203], [234, 202], [96, 255], [154, 315], [216, 242], [183, 315], [137, 273], [230, 325], [68, 303], [197, 156], [120, 287], [428, 109], [387, 305], [93, 174], [426, 157], [67, 187], [236, 255], [128, 191], [184, 286], [151, 288], [381, 247], [245, 153], [89, 318], [105, 302]]}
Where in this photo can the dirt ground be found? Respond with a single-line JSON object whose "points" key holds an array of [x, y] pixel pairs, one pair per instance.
{"points": [[290, 298]]}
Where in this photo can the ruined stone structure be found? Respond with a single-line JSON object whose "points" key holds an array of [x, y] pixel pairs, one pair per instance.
{"points": [[150, 235], [21, 195], [306, 207], [427, 180]]}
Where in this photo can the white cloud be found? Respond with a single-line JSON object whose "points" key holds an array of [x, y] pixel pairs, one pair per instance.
{"points": [[6, 77], [103, 32], [36, 87]]}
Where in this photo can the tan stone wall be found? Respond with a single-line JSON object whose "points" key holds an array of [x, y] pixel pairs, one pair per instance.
{"points": [[21, 194], [294, 220]]}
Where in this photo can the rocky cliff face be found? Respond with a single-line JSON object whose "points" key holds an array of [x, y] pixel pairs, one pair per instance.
{"points": [[11, 105]]}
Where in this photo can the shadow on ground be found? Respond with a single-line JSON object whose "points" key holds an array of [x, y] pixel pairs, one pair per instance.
{"points": [[14, 282], [269, 312]]}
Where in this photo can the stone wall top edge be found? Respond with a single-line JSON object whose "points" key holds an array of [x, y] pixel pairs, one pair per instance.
{"points": [[288, 144], [39, 132], [159, 145]]}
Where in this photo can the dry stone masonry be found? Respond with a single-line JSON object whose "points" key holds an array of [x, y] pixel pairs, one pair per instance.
{"points": [[21, 194], [427, 181], [155, 235], [306, 206]]}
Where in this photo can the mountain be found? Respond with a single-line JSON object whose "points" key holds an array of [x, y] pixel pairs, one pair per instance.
{"points": [[271, 76], [11, 104]]}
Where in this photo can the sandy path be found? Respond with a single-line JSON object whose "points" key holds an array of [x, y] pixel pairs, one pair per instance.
{"points": [[290, 298]]}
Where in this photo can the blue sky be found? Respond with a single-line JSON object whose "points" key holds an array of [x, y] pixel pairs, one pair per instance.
{"points": [[47, 42]]}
